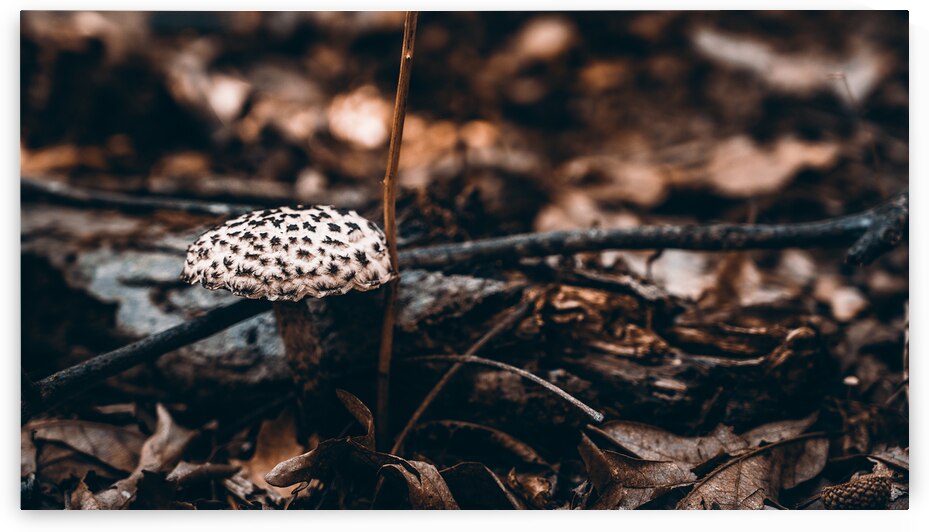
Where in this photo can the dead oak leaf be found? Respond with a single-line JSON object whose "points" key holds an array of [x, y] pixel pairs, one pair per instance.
{"points": [[748, 480], [624, 482]]}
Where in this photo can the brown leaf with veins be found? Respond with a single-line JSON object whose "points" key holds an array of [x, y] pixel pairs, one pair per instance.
{"points": [[115, 446], [747, 481], [425, 489], [624, 482], [160, 453], [276, 442], [652, 443]]}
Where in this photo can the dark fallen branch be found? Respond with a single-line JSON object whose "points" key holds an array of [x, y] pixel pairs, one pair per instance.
{"points": [[890, 227], [66, 194], [593, 414], [878, 229], [54, 389], [873, 232]]}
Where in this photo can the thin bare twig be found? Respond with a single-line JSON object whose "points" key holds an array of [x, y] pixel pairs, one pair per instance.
{"points": [[390, 225], [503, 325], [72, 195], [593, 414]]}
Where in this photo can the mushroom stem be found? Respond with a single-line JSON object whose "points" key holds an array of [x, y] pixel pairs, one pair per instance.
{"points": [[324, 336], [302, 343]]}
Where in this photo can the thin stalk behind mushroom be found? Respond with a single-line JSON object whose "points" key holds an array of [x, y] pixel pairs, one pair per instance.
{"points": [[285, 255]]}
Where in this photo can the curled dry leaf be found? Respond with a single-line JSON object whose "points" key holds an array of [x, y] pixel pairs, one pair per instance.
{"points": [[475, 487], [748, 480], [421, 487], [624, 482], [322, 461], [160, 453]]}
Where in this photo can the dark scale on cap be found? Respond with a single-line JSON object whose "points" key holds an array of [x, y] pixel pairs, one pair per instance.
{"points": [[293, 227], [329, 241], [335, 228]]}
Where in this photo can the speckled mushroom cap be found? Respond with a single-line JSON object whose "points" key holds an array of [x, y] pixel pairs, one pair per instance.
{"points": [[286, 254]]}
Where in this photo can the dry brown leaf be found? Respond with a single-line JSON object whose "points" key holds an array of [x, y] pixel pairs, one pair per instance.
{"points": [[57, 463], [186, 473], [83, 499], [623, 482], [425, 489], [535, 489], [118, 447], [322, 461], [160, 453], [276, 442], [27, 454], [652, 443], [246, 491], [747, 481]]}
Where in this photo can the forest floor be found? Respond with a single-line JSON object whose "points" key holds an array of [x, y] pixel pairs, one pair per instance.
{"points": [[772, 378]]}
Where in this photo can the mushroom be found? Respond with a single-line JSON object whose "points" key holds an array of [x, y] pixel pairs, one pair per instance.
{"points": [[286, 254]]}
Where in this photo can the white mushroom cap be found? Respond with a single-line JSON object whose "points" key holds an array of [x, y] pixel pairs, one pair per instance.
{"points": [[286, 254]]}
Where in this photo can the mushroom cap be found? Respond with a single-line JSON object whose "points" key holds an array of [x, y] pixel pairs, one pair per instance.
{"points": [[286, 254]]}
